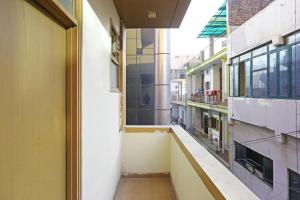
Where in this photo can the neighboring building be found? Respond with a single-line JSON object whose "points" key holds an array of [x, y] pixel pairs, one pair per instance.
{"points": [[207, 89], [178, 90], [264, 53], [148, 77]]}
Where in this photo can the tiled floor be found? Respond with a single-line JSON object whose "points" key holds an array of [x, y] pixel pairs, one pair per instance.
{"points": [[145, 189]]}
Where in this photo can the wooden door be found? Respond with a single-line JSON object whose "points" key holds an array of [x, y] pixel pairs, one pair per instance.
{"points": [[32, 104]]}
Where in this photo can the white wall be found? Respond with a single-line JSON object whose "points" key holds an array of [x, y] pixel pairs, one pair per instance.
{"points": [[187, 183], [279, 115], [279, 18], [284, 157], [101, 140], [146, 153]]}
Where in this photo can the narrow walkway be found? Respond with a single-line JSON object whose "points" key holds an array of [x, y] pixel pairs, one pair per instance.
{"points": [[145, 189]]}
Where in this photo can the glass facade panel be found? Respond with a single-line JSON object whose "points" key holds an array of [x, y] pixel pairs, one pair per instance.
{"points": [[140, 77], [260, 62], [273, 75], [283, 74], [296, 70], [248, 78], [259, 83]]}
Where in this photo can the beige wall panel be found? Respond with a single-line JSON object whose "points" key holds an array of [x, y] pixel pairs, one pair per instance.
{"points": [[32, 104]]}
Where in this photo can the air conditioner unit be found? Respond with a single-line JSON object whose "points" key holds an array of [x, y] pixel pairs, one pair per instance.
{"points": [[278, 40]]}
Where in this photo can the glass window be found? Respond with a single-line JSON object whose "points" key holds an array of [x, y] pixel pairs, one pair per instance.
{"points": [[235, 60], [240, 153], [273, 75], [268, 170], [294, 185], [257, 164], [232, 81], [260, 62], [296, 70], [260, 50], [293, 38], [259, 83], [283, 74], [248, 78], [272, 47], [245, 56], [236, 80], [115, 52]]}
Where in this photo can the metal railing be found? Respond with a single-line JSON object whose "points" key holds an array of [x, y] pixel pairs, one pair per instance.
{"points": [[208, 96]]}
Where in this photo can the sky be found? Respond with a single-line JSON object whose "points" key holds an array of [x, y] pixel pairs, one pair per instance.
{"points": [[184, 40]]}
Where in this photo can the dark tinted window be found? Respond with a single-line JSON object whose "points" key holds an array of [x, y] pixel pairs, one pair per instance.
{"points": [[296, 70]]}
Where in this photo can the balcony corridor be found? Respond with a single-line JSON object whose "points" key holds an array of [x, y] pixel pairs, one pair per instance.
{"points": [[159, 188]]}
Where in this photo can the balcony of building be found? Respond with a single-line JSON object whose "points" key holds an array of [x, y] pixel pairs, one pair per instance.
{"points": [[165, 162]]}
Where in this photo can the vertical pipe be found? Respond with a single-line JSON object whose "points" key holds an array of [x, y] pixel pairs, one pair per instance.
{"points": [[162, 77]]}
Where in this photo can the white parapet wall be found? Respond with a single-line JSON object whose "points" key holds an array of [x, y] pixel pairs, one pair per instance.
{"points": [[145, 153], [195, 173]]}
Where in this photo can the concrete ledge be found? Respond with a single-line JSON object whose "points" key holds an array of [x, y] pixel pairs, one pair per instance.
{"points": [[218, 179]]}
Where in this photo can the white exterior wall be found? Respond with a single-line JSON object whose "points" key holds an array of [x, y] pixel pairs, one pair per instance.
{"points": [[101, 140], [266, 117], [284, 157], [279, 18], [279, 115]]}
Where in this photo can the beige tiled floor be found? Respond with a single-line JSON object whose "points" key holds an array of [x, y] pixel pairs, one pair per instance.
{"points": [[145, 189]]}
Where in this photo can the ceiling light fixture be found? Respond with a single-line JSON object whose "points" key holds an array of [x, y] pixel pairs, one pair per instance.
{"points": [[152, 14]]}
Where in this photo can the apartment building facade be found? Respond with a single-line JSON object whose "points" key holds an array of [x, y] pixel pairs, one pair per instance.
{"points": [[207, 89], [178, 90], [263, 107]]}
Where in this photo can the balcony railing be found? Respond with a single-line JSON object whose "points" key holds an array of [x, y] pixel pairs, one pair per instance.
{"points": [[209, 97], [214, 146]]}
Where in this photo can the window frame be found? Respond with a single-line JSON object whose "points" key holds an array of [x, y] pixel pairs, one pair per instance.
{"points": [[115, 58], [288, 46], [258, 70], [291, 67], [246, 157]]}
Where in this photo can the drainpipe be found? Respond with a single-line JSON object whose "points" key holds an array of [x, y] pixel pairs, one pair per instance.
{"points": [[162, 108]]}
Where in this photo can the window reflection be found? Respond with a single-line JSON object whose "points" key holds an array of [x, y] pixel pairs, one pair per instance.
{"points": [[283, 74], [260, 83], [140, 76], [296, 70], [273, 75]]}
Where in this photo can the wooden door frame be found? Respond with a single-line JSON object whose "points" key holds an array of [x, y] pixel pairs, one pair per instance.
{"points": [[73, 25]]}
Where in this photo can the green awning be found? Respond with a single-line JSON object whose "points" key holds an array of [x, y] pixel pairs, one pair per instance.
{"points": [[217, 25]]}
